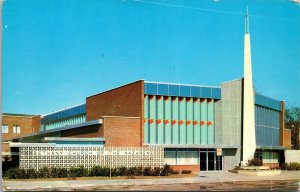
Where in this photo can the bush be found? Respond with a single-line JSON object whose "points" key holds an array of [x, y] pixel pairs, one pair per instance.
{"points": [[156, 171], [147, 171], [255, 162], [21, 174], [167, 170], [78, 172], [290, 166], [58, 172], [11, 173], [31, 174], [121, 171], [186, 172], [44, 172], [99, 171]]}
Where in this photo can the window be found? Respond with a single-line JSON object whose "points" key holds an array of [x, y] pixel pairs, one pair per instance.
{"points": [[16, 129], [4, 128]]}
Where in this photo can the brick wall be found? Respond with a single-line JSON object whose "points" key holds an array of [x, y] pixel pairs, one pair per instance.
{"points": [[285, 134], [122, 131], [36, 123], [125, 101], [193, 168], [25, 123]]}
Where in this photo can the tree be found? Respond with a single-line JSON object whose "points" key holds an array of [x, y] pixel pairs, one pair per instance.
{"points": [[292, 122]]}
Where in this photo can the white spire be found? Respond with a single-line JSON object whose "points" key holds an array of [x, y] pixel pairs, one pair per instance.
{"points": [[247, 22], [249, 140]]}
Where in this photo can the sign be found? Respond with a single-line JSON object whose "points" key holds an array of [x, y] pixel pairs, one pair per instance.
{"points": [[219, 151]]}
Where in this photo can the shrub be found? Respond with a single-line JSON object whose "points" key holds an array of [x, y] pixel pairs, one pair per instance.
{"points": [[186, 172], [130, 171], [174, 172], [31, 174], [283, 166], [166, 170], [99, 171], [58, 172], [121, 171], [44, 172], [147, 171], [156, 171], [78, 172], [293, 166], [21, 174], [255, 162], [11, 173]]}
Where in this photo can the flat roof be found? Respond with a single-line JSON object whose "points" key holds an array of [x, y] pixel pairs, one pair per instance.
{"points": [[73, 139]]}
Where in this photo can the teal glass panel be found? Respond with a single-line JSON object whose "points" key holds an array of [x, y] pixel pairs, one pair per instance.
{"points": [[146, 120], [152, 121], [216, 93], [205, 92], [182, 121], [174, 122], [197, 121], [185, 91], [160, 119], [195, 92], [174, 90], [189, 124], [203, 117], [168, 119], [163, 89], [151, 88], [210, 124]]}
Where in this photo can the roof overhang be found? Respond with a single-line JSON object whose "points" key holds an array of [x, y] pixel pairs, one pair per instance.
{"points": [[59, 129], [73, 139], [270, 147]]}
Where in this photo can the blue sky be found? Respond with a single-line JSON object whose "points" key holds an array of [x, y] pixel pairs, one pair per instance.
{"points": [[58, 52]]}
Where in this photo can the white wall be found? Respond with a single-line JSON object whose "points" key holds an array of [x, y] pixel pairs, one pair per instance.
{"points": [[292, 156]]}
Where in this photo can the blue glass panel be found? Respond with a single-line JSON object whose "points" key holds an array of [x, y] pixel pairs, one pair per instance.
{"points": [[185, 91], [195, 92], [151, 88], [77, 110], [174, 90], [205, 92], [216, 93], [163, 89], [267, 102]]}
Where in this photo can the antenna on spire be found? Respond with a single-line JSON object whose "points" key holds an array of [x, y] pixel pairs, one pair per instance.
{"points": [[247, 22]]}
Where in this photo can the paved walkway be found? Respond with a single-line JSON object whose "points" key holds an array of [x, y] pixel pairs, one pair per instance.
{"points": [[203, 177]]}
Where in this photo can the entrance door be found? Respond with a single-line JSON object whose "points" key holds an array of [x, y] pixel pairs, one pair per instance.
{"points": [[209, 161], [203, 161]]}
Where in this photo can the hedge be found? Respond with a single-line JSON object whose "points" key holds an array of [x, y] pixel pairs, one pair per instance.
{"points": [[54, 172], [290, 166]]}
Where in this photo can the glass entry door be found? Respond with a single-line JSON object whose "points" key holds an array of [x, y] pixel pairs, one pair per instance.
{"points": [[209, 161]]}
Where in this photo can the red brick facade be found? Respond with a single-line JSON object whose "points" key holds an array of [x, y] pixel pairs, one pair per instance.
{"points": [[25, 123], [125, 101], [122, 131], [193, 168]]}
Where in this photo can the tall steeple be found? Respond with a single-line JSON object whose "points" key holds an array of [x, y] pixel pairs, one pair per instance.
{"points": [[249, 141]]}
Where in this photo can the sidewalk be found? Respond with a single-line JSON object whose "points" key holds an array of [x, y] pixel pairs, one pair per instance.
{"points": [[203, 177]]}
